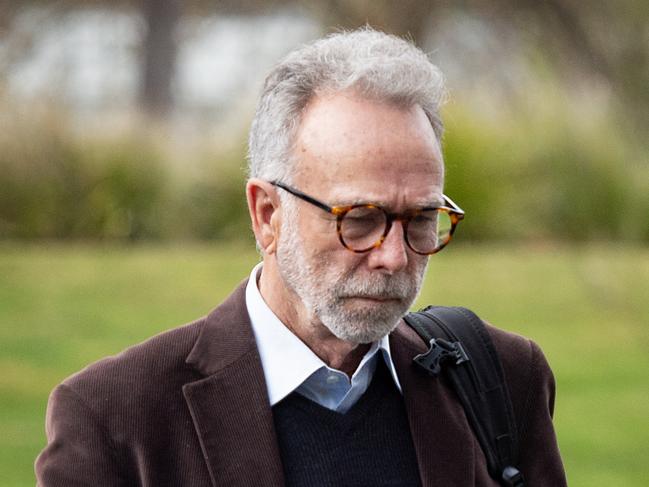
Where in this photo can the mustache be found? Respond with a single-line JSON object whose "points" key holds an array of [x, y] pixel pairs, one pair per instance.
{"points": [[400, 286]]}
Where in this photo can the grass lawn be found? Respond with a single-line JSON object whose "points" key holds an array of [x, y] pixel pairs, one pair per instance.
{"points": [[62, 307]]}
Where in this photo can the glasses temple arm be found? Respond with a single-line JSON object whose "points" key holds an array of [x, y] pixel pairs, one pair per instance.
{"points": [[452, 205], [303, 196]]}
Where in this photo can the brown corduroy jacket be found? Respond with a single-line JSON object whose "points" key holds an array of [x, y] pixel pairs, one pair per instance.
{"points": [[189, 407]]}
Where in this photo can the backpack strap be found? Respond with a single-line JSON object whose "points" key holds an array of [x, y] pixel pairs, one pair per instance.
{"points": [[461, 347]]}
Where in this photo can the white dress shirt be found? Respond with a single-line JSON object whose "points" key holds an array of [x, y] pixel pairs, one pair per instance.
{"points": [[289, 365]]}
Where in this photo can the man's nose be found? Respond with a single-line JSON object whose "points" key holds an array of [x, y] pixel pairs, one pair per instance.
{"points": [[392, 255]]}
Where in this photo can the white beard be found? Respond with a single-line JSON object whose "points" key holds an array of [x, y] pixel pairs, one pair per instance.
{"points": [[327, 291]]}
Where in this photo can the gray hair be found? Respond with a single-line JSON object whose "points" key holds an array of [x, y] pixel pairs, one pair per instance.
{"points": [[374, 64]]}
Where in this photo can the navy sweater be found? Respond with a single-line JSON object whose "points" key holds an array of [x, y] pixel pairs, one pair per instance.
{"points": [[370, 445]]}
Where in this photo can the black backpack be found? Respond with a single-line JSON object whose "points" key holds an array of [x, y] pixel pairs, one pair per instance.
{"points": [[461, 348]]}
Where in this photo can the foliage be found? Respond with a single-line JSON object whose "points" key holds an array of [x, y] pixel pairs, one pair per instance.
{"points": [[535, 176], [57, 186], [213, 205], [541, 177]]}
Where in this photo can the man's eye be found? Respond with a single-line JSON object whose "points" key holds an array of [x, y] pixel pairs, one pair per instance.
{"points": [[423, 219], [360, 222], [424, 222]]}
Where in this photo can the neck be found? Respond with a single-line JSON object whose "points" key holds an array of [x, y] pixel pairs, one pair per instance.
{"points": [[336, 353]]}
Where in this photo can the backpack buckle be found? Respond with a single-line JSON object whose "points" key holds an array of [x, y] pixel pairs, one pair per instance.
{"points": [[513, 477], [441, 351]]}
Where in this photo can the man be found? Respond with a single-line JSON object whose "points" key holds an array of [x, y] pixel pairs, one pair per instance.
{"points": [[304, 375]]}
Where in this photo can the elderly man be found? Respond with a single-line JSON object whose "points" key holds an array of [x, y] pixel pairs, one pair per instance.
{"points": [[304, 375]]}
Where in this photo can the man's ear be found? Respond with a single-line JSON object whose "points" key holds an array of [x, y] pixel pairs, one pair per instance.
{"points": [[263, 206]]}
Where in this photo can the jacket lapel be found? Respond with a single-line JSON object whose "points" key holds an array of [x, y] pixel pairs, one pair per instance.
{"points": [[440, 432], [229, 405]]}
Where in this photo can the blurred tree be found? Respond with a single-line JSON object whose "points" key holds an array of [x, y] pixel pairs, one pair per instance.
{"points": [[406, 18], [608, 41], [158, 55], [159, 45]]}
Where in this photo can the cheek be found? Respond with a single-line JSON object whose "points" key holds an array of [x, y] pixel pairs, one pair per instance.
{"points": [[417, 263], [318, 235], [333, 261]]}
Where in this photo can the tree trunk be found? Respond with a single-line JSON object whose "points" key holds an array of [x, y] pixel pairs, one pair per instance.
{"points": [[159, 56]]}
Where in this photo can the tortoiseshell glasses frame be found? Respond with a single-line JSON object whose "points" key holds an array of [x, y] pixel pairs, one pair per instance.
{"points": [[371, 223]]}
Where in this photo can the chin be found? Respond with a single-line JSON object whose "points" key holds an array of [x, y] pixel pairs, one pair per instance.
{"points": [[361, 329]]}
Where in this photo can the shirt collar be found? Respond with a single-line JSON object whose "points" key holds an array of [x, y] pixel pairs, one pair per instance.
{"points": [[287, 362]]}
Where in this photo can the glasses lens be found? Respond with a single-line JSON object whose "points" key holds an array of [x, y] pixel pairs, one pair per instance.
{"points": [[362, 227], [429, 230]]}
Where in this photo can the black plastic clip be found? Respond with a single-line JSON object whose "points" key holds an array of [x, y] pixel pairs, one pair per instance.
{"points": [[440, 351]]}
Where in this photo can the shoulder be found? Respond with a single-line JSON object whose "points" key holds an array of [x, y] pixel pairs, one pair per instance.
{"points": [[514, 350], [528, 376], [97, 418], [154, 372], [531, 387], [532, 391], [522, 359], [146, 370]]}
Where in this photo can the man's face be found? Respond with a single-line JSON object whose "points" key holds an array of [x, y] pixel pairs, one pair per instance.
{"points": [[350, 150]]}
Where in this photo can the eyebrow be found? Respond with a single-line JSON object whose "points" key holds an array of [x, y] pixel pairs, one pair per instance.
{"points": [[436, 203]]}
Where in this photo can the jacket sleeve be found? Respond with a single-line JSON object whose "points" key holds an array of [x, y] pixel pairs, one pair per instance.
{"points": [[78, 451], [540, 461]]}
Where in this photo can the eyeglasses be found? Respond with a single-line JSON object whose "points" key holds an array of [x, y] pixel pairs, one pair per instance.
{"points": [[364, 227]]}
